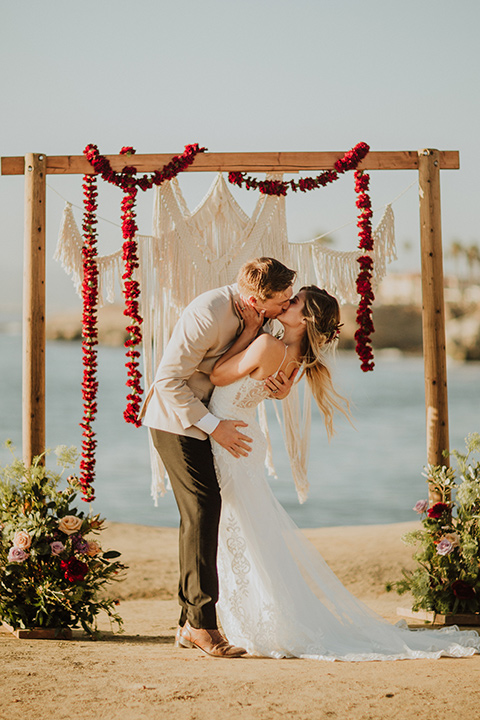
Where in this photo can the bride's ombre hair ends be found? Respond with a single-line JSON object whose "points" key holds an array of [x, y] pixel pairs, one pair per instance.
{"points": [[263, 277], [322, 314]]}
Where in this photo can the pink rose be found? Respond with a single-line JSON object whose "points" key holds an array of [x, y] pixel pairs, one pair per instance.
{"points": [[57, 547], [420, 506], [17, 555], [444, 547], [22, 540]]}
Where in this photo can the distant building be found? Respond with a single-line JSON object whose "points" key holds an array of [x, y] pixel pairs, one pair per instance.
{"points": [[400, 289], [406, 289]]}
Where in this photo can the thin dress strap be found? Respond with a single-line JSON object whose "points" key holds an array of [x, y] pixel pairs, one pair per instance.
{"points": [[283, 359]]}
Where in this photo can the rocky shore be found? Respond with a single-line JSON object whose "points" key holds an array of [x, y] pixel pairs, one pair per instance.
{"points": [[396, 326]]}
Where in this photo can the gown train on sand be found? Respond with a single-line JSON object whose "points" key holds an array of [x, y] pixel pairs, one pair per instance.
{"points": [[278, 597]]}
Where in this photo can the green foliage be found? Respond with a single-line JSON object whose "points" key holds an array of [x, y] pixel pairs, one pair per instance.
{"points": [[447, 579], [53, 573]]}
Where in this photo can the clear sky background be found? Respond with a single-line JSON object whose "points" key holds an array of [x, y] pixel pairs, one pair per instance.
{"points": [[244, 75]]}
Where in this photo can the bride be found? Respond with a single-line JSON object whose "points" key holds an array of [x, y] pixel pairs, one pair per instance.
{"points": [[278, 597]]}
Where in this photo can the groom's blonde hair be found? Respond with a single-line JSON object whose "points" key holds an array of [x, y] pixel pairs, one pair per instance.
{"points": [[263, 277]]}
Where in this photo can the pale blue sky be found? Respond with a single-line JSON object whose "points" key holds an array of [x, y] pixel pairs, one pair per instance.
{"points": [[239, 76]]}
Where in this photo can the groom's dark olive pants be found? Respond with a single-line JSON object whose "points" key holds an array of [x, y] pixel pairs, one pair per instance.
{"points": [[189, 464]]}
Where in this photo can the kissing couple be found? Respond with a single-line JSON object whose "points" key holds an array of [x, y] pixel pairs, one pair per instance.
{"points": [[243, 562]]}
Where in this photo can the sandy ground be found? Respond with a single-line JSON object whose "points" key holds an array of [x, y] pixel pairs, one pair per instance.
{"points": [[140, 675]]}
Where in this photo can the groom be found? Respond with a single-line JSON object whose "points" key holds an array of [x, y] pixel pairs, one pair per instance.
{"points": [[176, 413]]}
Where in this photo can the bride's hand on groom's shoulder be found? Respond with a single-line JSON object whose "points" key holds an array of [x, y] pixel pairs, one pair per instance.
{"points": [[252, 319], [229, 437], [280, 385]]}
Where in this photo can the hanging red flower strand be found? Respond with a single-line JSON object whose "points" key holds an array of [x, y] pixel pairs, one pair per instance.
{"points": [[131, 289], [364, 279], [90, 335], [129, 183]]}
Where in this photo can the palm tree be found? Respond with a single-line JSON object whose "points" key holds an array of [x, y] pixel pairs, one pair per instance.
{"points": [[472, 254], [456, 251]]}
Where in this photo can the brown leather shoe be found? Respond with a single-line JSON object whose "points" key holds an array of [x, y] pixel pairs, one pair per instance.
{"points": [[177, 642], [211, 642]]}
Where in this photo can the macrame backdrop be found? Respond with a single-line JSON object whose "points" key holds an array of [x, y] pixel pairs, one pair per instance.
{"points": [[191, 252]]}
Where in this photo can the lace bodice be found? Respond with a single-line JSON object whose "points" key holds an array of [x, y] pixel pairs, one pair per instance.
{"points": [[238, 399]]}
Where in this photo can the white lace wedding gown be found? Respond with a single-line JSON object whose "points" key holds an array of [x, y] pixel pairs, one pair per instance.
{"points": [[278, 597]]}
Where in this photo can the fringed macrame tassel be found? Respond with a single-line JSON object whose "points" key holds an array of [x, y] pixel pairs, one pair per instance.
{"points": [[384, 243], [69, 248], [109, 273], [296, 435], [337, 270], [69, 254]]}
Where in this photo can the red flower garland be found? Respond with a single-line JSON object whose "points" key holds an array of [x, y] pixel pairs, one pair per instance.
{"points": [[364, 279], [129, 183], [278, 187], [90, 336], [131, 289], [176, 165]]}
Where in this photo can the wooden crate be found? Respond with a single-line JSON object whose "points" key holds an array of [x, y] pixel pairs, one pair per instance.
{"points": [[39, 633], [470, 619]]}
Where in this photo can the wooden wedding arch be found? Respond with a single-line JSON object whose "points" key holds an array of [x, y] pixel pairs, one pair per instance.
{"points": [[428, 162]]}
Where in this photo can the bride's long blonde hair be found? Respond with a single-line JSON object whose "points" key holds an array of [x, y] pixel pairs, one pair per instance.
{"points": [[322, 314]]}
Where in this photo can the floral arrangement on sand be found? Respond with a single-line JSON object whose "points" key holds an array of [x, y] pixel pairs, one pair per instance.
{"points": [[447, 580], [53, 570]]}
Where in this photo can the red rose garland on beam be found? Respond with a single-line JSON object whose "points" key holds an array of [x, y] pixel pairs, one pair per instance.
{"points": [[364, 279], [90, 336], [129, 183], [279, 187], [177, 164]]}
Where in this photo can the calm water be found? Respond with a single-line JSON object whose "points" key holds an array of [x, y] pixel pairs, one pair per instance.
{"points": [[367, 475]]}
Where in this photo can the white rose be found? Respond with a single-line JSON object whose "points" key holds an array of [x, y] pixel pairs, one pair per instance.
{"points": [[70, 524], [22, 540], [454, 539]]}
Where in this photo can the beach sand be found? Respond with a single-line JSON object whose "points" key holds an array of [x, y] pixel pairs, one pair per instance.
{"points": [[141, 676]]}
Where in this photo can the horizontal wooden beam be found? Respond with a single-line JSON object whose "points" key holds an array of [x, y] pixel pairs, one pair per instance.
{"points": [[250, 162]]}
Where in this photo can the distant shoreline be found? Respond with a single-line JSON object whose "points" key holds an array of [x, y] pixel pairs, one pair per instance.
{"points": [[396, 326]]}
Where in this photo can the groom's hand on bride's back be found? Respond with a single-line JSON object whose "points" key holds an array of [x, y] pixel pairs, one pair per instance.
{"points": [[228, 436]]}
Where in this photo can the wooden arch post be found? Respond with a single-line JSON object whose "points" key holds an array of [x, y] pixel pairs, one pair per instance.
{"points": [[33, 415], [427, 162], [433, 311]]}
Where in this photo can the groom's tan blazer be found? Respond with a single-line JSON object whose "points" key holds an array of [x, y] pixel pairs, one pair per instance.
{"points": [[181, 390]]}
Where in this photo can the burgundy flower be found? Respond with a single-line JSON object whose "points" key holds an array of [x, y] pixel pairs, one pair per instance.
{"points": [[74, 570], [461, 589], [437, 510]]}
